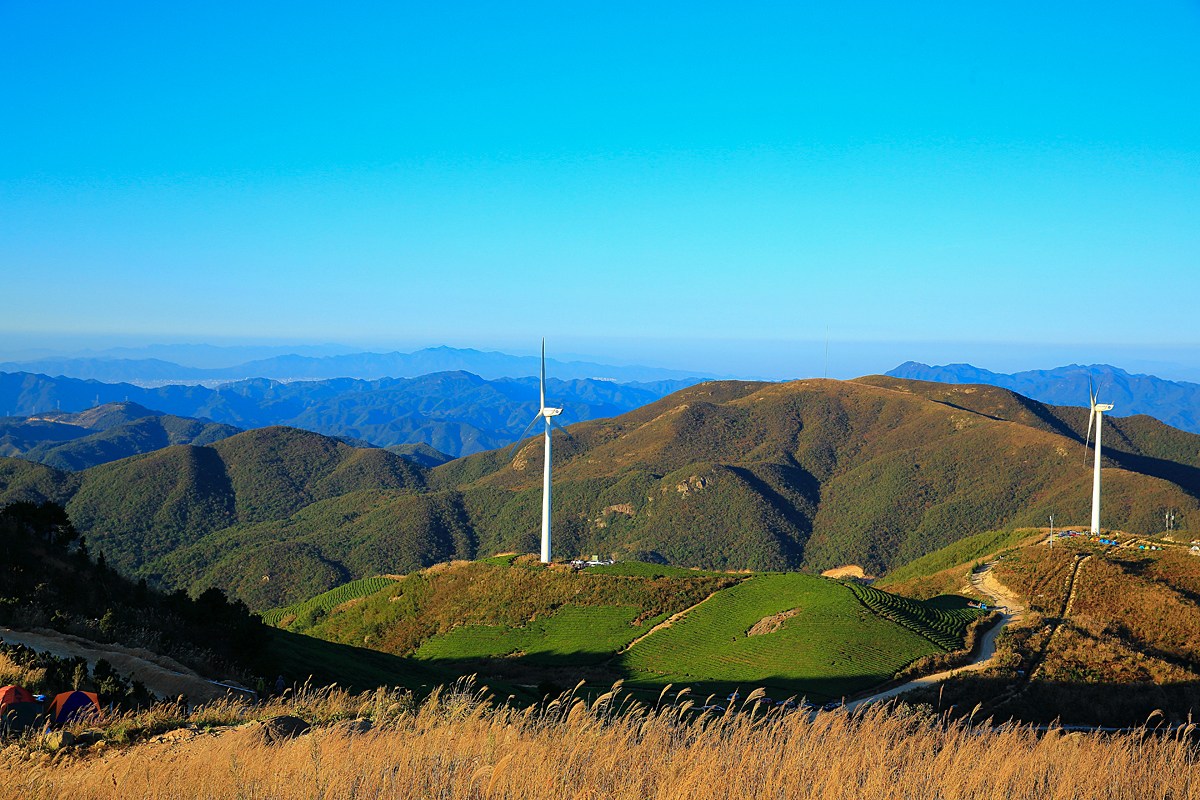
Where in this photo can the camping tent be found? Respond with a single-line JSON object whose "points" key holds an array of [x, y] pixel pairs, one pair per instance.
{"points": [[19, 709], [70, 706]]}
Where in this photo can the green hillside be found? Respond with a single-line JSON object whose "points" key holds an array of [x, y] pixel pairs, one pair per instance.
{"points": [[809, 475], [573, 636], [522, 622], [104, 433], [803, 476], [129, 439], [322, 604], [421, 453], [406, 615], [142, 509], [824, 642], [961, 552], [355, 668]]}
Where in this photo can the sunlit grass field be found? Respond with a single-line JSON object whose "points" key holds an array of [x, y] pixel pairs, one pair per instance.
{"points": [[831, 647], [329, 600], [572, 636]]}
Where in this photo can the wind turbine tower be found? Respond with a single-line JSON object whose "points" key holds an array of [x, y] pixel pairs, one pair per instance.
{"points": [[547, 415], [1096, 414]]}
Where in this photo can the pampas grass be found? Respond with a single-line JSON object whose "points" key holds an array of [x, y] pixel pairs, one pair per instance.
{"points": [[456, 745]]}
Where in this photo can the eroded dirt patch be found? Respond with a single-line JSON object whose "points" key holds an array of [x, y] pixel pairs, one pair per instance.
{"points": [[848, 571], [772, 623]]}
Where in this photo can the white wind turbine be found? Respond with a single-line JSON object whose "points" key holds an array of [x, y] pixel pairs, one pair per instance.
{"points": [[1096, 414], [547, 415]]}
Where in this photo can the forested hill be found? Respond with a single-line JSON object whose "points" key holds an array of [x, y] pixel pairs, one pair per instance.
{"points": [[1176, 403], [108, 432], [732, 475]]}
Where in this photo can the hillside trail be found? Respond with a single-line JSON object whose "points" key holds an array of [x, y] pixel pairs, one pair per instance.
{"points": [[984, 581], [161, 675], [664, 624]]}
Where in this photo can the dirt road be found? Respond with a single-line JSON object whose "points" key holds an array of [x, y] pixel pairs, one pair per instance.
{"points": [[163, 676], [985, 581]]}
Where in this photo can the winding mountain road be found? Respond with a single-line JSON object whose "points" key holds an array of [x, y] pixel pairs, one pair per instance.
{"points": [[1013, 610]]}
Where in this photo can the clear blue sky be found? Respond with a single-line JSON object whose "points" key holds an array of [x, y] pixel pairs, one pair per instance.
{"points": [[650, 182]]}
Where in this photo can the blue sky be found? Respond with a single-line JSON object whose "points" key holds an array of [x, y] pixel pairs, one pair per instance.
{"points": [[714, 186]]}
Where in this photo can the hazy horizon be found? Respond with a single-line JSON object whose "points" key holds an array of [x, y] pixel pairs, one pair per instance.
{"points": [[727, 359]]}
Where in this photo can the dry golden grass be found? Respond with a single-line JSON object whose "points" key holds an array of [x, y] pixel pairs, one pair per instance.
{"points": [[12, 673], [1085, 651], [455, 746]]}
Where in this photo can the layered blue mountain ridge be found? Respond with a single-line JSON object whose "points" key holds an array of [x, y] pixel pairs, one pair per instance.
{"points": [[1176, 403]]}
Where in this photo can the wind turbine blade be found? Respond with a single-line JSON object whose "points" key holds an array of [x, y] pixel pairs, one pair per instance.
{"points": [[1091, 394], [554, 422], [542, 385], [1088, 438], [521, 438]]}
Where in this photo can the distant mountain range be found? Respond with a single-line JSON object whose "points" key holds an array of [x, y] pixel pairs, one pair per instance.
{"points": [[367, 366], [1174, 402], [804, 475], [454, 413]]}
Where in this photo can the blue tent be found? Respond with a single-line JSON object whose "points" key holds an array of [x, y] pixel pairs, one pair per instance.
{"points": [[70, 706]]}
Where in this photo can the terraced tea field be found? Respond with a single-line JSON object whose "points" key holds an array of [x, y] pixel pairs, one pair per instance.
{"points": [[945, 626], [573, 636], [329, 600], [828, 645]]}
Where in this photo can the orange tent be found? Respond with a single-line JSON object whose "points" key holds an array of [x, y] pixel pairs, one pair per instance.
{"points": [[18, 709], [70, 706]]}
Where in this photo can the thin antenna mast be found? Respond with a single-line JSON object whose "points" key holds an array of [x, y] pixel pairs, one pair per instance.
{"points": [[826, 351]]}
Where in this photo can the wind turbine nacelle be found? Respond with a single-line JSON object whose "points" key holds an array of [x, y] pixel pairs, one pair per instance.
{"points": [[551, 412], [1103, 407]]}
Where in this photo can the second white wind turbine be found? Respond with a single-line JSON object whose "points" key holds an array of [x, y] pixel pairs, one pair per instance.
{"points": [[547, 416], [1096, 414]]}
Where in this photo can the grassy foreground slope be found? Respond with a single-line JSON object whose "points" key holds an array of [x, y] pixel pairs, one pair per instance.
{"points": [[818, 640], [452, 746], [725, 475], [298, 657], [311, 610], [795, 634], [963, 551], [405, 614]]}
